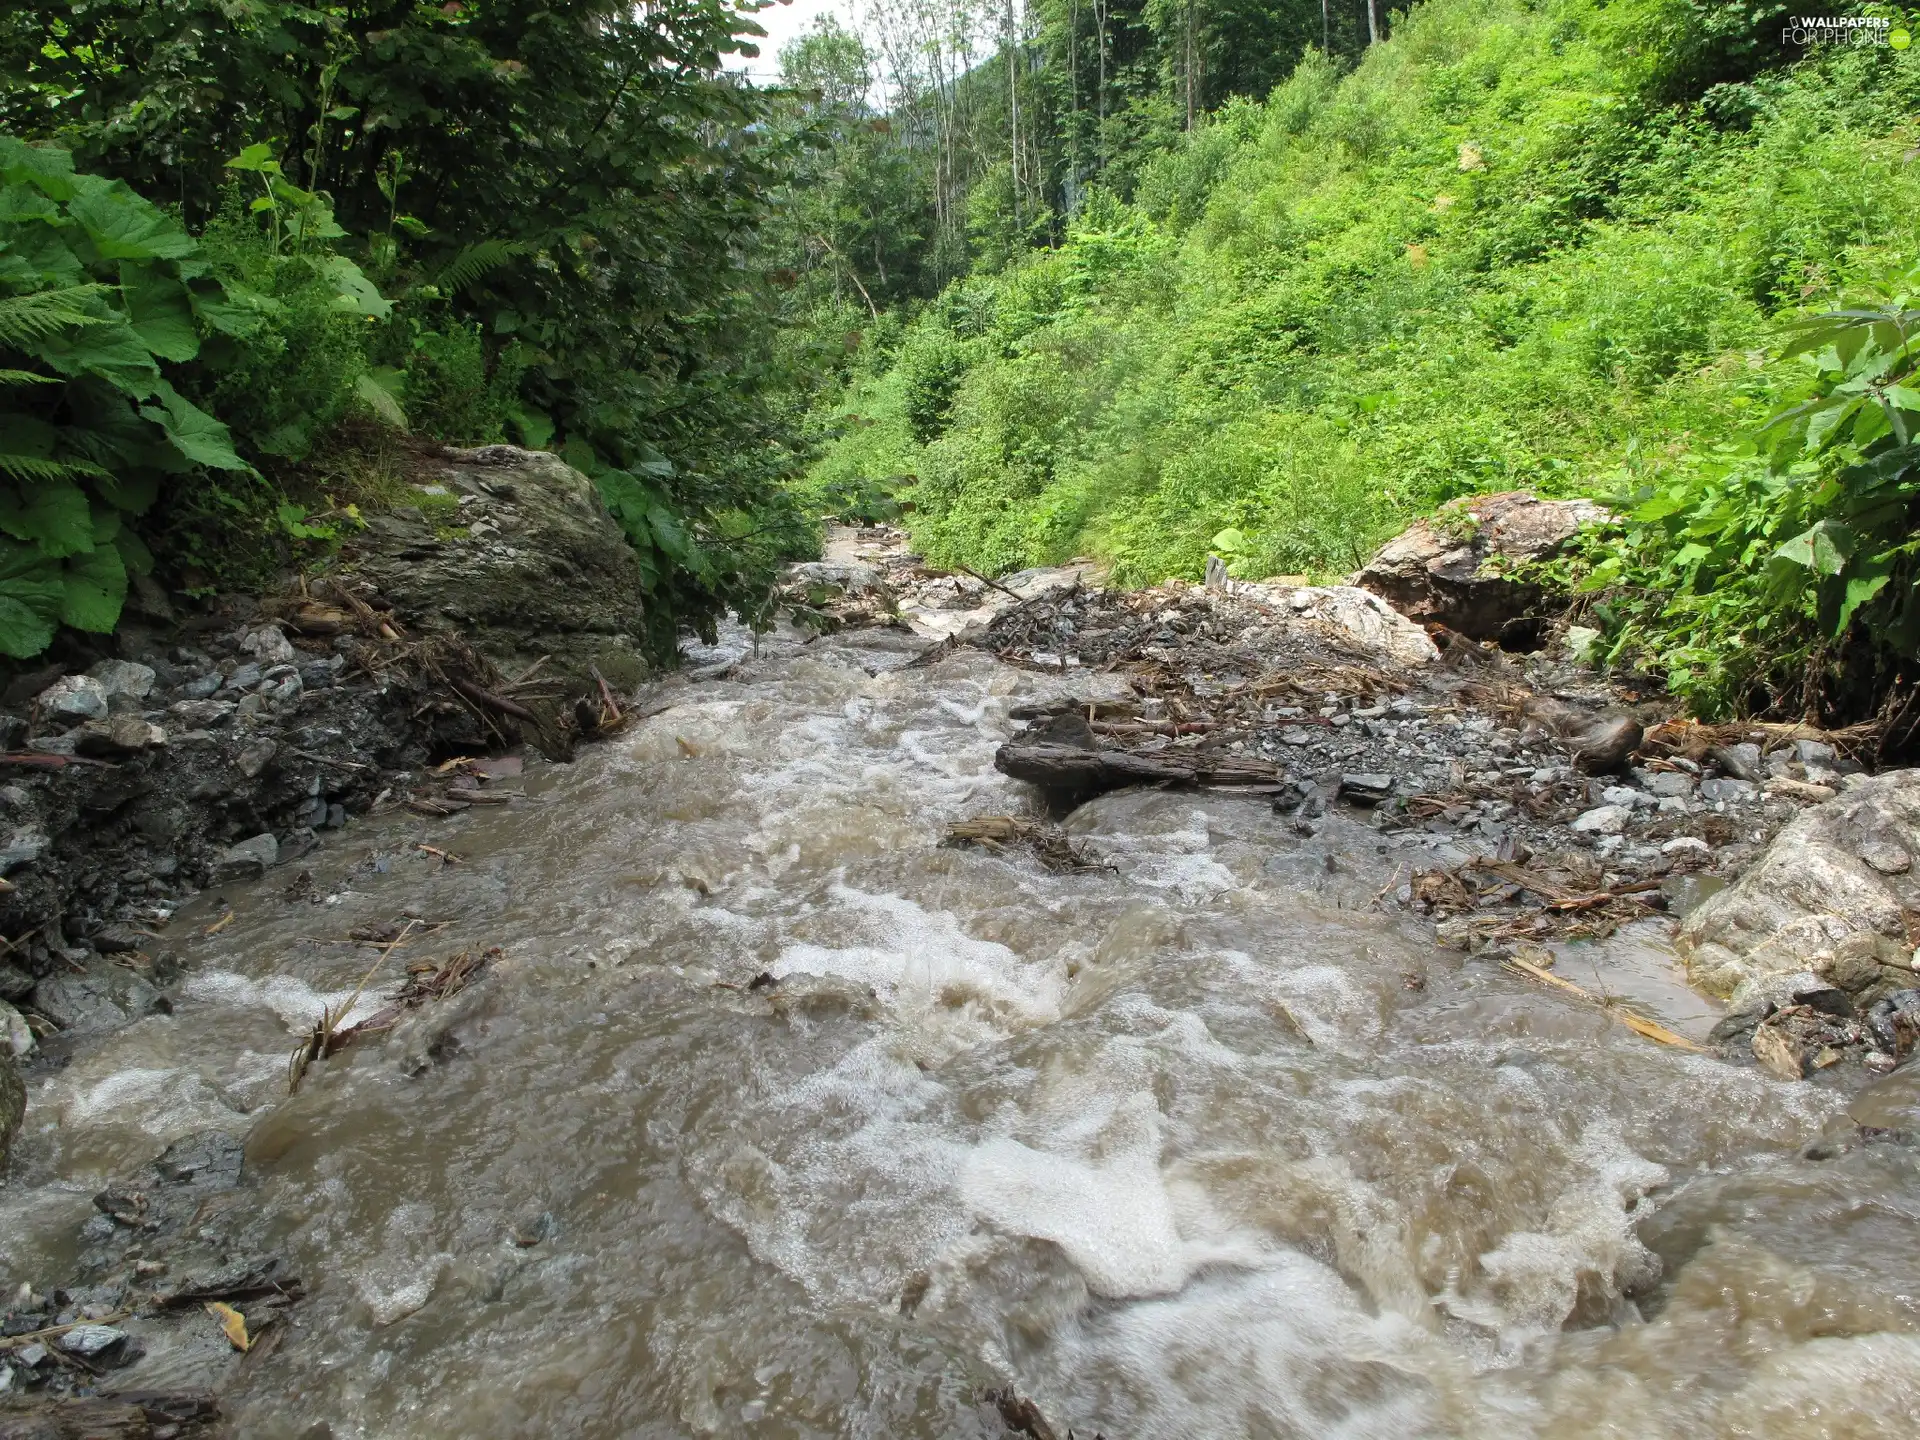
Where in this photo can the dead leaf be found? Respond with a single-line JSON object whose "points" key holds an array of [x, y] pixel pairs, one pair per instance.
{"points": [[232, 1324]]}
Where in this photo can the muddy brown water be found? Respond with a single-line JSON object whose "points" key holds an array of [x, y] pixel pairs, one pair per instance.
{"points": [[1208, 1147]]}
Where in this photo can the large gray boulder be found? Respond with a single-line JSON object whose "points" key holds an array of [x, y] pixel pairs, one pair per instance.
{"points": [[1836, 894], [1453, 569], [514, 551]]}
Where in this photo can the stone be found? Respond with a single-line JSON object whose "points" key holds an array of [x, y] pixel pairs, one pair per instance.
{"points": [[1670, 784], [1602, 820], [1719, 789], [1811, 890], [25, 845], [533, 565], [1687, 845], [1886, 855], [203, 686], [318, 674], [245, 677], [1438, 570], [254, 757], [249, 859], [15, 983], [118, 939], [92, 1341], [1367, 788], [115, 738], [1779, 1053], [1741, 761], [74, 697], [98, 997], [268, 645], [16, 1036], [124, 677], [201, 714], [1813, 752]]}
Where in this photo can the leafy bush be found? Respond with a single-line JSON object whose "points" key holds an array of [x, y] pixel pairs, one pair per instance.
{"points": [[1778, 572], [102, 297]]}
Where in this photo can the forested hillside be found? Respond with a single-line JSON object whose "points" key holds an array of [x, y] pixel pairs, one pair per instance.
{"points": [[1556, 244]]}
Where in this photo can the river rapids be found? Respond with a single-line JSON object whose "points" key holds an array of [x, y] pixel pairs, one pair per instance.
{"points": [[778, 1118]]}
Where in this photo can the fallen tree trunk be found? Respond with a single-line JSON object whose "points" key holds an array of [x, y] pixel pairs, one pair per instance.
{"points": [[1081, 772]]}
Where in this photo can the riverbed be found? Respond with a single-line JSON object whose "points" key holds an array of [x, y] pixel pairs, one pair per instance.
{"points": [[776, 1117]]}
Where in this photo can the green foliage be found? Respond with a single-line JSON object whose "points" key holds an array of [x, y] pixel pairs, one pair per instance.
{"points": [[565, 198], [1520, 244], [101, 296], [1778, 571]]}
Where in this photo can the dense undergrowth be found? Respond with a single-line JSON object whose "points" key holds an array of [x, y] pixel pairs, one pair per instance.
{"points": [[255, 257], [1524, 243]]}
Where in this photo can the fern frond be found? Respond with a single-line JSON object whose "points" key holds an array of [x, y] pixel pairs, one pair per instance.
{"points": [[27, 318], [30, 468], [476, 261], [27, 377]]}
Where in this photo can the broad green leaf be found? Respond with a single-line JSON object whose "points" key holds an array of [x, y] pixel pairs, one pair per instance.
{"points": [[110, 350], [122, 226], [52, 514], [1818, 549], [134, 552], [1230, 542], [1860, 589], [24, 631], [376, 391], [96, 588], [194, 433], [47, 169], [160, 311], [533, 427], [256, 158], [353, 292]]}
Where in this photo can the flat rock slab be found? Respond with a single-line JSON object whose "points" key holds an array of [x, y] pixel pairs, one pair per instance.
{"points": [[1830, 896]]}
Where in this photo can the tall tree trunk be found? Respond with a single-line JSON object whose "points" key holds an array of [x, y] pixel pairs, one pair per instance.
{"points": [[1326, 28], [1373, 22]]}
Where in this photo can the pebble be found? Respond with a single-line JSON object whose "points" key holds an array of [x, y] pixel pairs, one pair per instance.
{"points": [[74, 697], [90, 1340], [1602, 820], [124, 677]]}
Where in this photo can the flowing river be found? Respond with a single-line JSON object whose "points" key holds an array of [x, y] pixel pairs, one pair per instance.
{"points": [[1207, 1146]]}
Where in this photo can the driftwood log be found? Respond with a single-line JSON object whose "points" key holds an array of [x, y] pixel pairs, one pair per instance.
{"points": [[1078, 772]]}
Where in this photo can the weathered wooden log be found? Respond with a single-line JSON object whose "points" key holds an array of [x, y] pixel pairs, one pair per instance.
{"points": [[136, 1415], [1079, 771]]}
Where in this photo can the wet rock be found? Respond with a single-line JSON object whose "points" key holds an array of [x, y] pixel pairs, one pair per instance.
{"points": [[74, 697], [120, 736], [249, 859], [1369, 788], [1794, 1042], [100, 1343], [16, 1036], [528, 562], [117, 940], [124, 678], [1894, 1023], [1811, 891], [1438, 570], [93, 998]]}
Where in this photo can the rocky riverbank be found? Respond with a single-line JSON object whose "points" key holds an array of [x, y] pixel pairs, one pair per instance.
{"points": [[216, 743]]}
